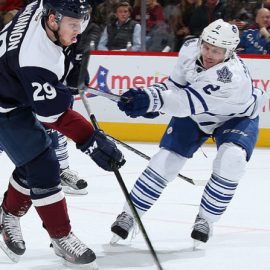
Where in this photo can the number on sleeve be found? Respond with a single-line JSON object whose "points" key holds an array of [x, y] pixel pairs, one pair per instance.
{"points": [[42, 92]]}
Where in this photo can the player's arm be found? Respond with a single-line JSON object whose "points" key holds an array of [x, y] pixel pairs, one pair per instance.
{"points": [[169, 97], [51, 101], [179, 100]]}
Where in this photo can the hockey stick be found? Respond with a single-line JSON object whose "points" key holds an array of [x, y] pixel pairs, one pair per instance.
{"points": [[118, 176], [110, 96], [115, 97]]}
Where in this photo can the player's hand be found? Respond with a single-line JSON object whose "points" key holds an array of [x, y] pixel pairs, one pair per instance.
{"points": [[103, 151], [134, 102]]}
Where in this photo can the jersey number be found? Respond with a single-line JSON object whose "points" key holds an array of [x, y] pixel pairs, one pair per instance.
{"points": [[42, 92], [209, 87]]}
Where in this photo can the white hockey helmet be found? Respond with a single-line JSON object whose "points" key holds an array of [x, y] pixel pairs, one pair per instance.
{"points": [[223, 35]]}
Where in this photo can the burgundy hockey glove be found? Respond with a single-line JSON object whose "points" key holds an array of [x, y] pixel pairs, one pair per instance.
{"points": [[103, 151]]}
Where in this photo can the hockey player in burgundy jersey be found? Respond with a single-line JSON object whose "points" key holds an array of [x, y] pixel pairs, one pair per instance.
{"points": [[209, 93], [31, 68]]}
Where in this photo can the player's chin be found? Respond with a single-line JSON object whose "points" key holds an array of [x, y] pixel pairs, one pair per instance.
{"points": [[68, 42], [208, 64]]}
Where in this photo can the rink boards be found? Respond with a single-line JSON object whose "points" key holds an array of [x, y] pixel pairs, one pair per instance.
{"points": [[117, 71]]}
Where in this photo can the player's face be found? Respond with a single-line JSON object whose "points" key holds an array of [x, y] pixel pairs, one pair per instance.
{"points": [[211, 55], [68, 30]]}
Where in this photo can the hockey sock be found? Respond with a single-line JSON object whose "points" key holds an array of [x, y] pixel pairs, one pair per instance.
{"points": [[216, 197], [15, 202], [62, 151], [55, 218], [146, 191]]}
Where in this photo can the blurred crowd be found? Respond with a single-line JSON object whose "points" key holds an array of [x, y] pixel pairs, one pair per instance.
{"points": [[118, 24]]}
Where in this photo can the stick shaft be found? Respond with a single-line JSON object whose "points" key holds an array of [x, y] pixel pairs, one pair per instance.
{"points": [[123, 187], [137, 218]]}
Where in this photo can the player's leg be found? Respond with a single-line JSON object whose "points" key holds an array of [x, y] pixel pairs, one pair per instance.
{"points": [[49, 201], [176, 147], [37, 163], [236, 140], [15, 204], [20, 149], [70, 181]]}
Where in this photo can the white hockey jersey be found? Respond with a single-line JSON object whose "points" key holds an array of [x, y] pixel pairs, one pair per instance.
{"points": [[213, 96]]}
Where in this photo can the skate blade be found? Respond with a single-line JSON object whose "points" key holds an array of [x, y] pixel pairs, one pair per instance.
{"points": [[89, 266], [13, 257], [71, 191], [115, 239], [198, 244]]}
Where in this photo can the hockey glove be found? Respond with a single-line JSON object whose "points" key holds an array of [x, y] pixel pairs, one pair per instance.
{"points": [[141, 102], [151, 115], [103, 151], [134, 102]]}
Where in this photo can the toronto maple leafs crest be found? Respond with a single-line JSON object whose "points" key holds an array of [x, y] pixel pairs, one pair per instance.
{"points": [[224, 75]]}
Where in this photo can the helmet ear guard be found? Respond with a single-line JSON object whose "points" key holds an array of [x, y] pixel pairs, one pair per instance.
{"points": [[223, 35]]}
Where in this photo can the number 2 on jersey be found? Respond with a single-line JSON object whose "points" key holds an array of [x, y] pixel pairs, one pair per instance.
{"points": [[210, 87]]}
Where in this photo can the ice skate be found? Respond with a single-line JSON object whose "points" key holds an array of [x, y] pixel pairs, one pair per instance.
{"points": [[74, 252], [202, 230], [121, 227], [12, 244], [71, 183]]}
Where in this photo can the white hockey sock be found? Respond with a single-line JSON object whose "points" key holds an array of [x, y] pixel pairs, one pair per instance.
{"points": [[146, 191], [216, 197], [62, 151]]}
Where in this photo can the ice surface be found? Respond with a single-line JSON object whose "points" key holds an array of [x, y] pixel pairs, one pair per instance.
{"points": [[241, 238]]}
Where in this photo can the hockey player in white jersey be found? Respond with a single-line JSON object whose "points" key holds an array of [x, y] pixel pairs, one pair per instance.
{"points": [[208, 94], [32, 65]]}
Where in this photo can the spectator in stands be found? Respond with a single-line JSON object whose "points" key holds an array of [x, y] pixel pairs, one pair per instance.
{"points": [[92, 32], [266, 4], [8, 9], [104, 14], [180, 20], [240, 13], [154, 13], [203, 15], [168, 9], [263, 3], [158, 34], [122, 31], [257, 40]]}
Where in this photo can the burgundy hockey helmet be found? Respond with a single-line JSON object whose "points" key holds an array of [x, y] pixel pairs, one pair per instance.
{"points": [[79, 9]]}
